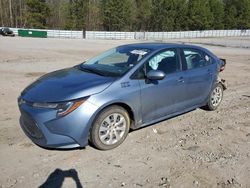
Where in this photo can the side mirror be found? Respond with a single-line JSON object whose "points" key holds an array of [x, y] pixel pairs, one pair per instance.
{"points": [[155, 75]]}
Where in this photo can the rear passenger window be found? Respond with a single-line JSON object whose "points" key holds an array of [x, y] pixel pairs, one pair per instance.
{"points": [[196, 58]]}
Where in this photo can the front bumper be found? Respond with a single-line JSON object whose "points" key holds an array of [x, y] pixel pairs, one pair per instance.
{"points": [[45, 129]]}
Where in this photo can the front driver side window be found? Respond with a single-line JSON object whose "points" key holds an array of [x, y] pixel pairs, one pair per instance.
{"points": [[166, 61]]}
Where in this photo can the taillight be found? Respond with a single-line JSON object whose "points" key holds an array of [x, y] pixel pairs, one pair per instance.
{"points": [[223, 64], [222, 68]]}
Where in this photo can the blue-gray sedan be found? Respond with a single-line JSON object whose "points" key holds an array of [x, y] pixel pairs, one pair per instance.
{"points": [[125, 88]]}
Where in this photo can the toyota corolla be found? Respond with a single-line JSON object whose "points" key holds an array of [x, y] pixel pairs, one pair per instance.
{"points": [[127, 87]]}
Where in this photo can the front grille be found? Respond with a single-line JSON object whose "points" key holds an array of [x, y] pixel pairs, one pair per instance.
{"points": [[30, 126]]}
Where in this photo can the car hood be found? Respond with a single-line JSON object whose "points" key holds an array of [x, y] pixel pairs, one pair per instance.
{"points": [[64, 85]]}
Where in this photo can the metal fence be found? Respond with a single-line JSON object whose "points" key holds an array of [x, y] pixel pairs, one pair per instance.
{"points": [[110, 35], [142, 35], [165, 35]]}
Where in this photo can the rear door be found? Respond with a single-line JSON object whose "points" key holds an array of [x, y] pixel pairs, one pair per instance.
{"points": [[199, 75]]}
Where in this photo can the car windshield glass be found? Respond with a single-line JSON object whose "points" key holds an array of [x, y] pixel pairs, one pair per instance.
{"points": [[6, 29], [115, 62]]}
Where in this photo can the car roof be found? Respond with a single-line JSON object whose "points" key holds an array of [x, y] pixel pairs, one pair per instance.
{"points": [[5, 28], [158, 46]]}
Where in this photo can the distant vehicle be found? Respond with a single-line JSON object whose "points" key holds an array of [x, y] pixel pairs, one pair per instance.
{"points": [[128, 87], [5, 31]]}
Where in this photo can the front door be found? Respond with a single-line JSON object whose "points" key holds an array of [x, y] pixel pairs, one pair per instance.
{"points": [[160, 98]]}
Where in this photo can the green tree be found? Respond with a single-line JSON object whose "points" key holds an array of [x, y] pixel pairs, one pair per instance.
{"points": [[94, 21], [230, 14], [200, 17], [143, 13], [126, 15], [37, 13], [217, 11], [243, 14], [78, 14], [180, 15], [237, 14], [162, 17], [117, 15], [169, 15]]}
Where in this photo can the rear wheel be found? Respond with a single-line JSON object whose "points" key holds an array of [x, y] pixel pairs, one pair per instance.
{"points": [[215, 97], [110, 128]]}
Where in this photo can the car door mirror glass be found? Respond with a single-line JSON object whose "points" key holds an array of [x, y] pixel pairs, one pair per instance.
{"points": [[155, 75]]}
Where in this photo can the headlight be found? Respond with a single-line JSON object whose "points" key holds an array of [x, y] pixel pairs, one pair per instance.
{"points": [[68, 107], [63, 108]]}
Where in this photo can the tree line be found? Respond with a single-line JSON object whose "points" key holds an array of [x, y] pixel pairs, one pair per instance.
{"points": [[126, 15]]}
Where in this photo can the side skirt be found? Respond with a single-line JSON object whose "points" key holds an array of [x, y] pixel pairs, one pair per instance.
{"points": [[166, 117]]}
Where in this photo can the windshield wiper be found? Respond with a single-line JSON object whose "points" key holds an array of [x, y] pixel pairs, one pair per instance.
{"points": [[88, 69]]}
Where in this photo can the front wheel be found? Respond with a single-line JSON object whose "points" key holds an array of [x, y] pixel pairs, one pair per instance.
{"points": [[110, 128], [215, 97]]}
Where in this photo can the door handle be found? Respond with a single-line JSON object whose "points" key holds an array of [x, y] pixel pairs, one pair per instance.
{"points": [[209, 72], [181, 80]]}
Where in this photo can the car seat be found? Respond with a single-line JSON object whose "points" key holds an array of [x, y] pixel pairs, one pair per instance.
{"points": [[168, 65]]}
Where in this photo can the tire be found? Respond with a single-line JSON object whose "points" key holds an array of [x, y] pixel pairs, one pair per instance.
{"points": [[215, 97], [105, 134]]}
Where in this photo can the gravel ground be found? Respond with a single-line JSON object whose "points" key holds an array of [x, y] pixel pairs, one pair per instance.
{"points": [[197, 149]]}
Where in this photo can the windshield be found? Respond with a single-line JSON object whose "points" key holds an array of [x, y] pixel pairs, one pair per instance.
{"points": [[115, 62], [6, 29]]}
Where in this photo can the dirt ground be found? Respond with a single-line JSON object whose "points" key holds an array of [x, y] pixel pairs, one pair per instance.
{"points": [[197, 149]]}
